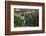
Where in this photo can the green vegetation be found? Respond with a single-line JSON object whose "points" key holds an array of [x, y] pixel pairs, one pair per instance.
{"points": [[34, 20], [19, 21]]}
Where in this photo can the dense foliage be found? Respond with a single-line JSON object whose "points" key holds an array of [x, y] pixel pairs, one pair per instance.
{"points": [[33, 19]]}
